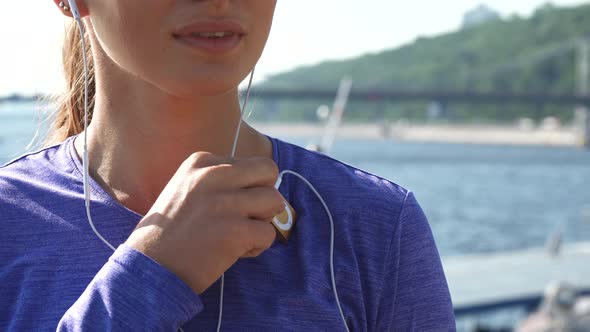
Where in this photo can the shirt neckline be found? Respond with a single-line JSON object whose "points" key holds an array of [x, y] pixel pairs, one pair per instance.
{"points": [[97, 190]]}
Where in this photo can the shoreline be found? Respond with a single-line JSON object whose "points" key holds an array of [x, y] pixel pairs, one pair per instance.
{"points": [[437, 133]]}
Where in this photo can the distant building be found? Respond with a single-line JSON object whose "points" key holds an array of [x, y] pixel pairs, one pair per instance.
{"points": [[479, 15]]}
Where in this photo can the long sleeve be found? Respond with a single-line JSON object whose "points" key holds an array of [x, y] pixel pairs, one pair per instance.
{"points": [[132, 292], [415, 292]]}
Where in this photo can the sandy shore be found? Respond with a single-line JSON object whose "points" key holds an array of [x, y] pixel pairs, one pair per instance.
{"points": [[476, 134]]}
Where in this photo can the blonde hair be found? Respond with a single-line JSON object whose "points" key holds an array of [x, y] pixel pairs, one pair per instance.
{"points": [[68, 119]]}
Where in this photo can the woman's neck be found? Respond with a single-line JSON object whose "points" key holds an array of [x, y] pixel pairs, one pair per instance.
{"points": [[139, 136]]}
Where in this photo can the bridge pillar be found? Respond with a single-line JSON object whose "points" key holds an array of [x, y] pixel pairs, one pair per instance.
{"points": [[586, 128], [582, 125], [583, 89], [583, 70]]}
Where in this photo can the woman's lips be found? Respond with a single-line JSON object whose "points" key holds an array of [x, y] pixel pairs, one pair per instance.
{"points": [[213, 45], [211, 36]]}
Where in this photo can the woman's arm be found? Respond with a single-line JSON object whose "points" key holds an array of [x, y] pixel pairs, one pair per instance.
{"points": [[415, 292], [132, 292], [211, 213]]}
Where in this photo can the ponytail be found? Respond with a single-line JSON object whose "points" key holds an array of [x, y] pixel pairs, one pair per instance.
{"points": [[68, 120]]}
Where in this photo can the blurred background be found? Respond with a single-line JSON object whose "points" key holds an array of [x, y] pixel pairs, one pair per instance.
{"points": [[481, 109]]}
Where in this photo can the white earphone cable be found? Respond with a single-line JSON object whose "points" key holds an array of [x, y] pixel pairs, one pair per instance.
{"points": [[233, 154], [279, 180], [85, 163]]}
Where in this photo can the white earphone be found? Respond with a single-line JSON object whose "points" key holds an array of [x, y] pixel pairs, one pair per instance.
{"points": [[85, 166]]}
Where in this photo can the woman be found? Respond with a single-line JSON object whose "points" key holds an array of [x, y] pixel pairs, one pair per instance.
{"points": [[164, 102]]}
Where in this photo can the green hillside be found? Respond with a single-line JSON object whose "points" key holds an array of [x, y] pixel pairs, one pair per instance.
{"points": [[515, 54]]}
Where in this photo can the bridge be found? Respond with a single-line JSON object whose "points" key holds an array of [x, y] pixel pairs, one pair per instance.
{"points": [[377, 95], [579, 99]]}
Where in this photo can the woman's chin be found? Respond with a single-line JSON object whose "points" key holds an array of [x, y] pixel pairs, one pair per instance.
{"points": [[203, 89]]}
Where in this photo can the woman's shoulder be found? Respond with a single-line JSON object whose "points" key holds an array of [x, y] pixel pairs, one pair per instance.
{"points": [[32, 170], [320, 165], [342, 183]]}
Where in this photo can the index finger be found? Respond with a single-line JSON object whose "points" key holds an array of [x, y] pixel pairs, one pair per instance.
{"points": [[252, 172]]}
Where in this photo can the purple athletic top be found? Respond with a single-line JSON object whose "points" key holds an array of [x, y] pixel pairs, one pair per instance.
{"points": [[56, 274]]}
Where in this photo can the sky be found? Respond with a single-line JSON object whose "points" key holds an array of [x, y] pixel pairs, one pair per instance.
{"points": [[304, 32]]}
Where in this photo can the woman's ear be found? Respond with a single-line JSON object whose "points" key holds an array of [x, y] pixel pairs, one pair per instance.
{"points": [[63, 4]]}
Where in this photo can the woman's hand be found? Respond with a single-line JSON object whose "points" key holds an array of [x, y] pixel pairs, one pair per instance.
{"points": [[212, 212]]}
